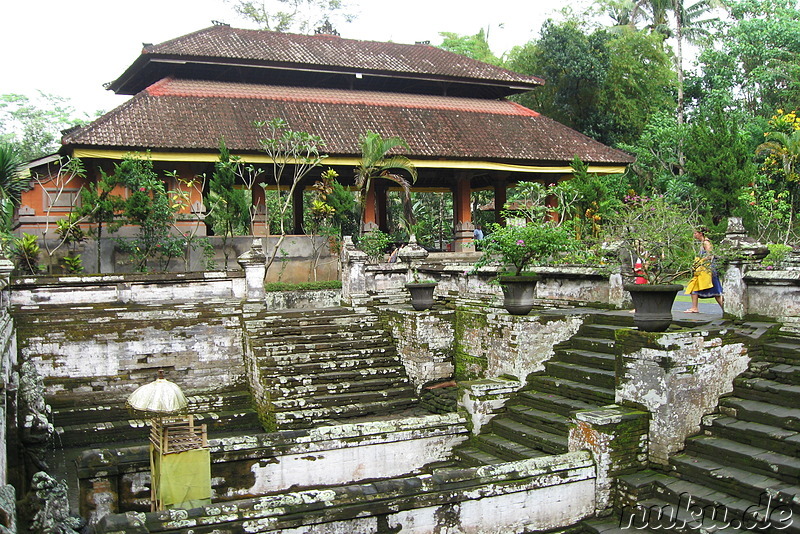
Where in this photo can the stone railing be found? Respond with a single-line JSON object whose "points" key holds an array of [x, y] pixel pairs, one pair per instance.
{"points": [[363, 282]]}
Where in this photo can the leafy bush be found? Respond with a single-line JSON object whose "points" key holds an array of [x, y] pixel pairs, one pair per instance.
{"points": [[522, 246], [374, 244], [25, 253], [303, 286], [777, 255]]}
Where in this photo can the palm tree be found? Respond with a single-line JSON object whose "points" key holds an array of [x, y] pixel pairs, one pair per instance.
{"points": [[375, 163], [12, 183]]}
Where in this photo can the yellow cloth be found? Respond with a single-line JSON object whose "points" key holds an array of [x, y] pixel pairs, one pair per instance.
{"points": [[702, 277], [183, 480]]}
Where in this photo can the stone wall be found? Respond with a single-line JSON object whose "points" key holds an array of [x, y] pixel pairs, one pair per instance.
{"points": [[101, 354], [251, 465], [677, 377], [301, 258], [539, 494]]}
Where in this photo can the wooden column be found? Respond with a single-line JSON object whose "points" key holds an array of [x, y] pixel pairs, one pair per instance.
{"points": [[551, 201], [260, 218], [500, 199], [381, 202], [297, 210], [370, 221], [463, 240]]}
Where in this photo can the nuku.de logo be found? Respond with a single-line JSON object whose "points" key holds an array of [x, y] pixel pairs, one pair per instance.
{"points": [[769, 513]]}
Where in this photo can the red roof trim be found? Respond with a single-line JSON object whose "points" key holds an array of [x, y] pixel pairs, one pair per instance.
{"points": [[213, 89]]}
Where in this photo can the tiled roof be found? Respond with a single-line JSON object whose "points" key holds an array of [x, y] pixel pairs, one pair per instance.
{"points": [[178, 114], [266, 47]]}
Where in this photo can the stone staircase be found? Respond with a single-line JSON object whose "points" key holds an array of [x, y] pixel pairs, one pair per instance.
{"points": [[579, 376], [745, 461], [312, 367], [92, 411]]}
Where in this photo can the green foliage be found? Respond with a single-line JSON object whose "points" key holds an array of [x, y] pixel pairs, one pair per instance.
{"points": [[374, 244], [345, 214], [12, 180], [228, 212], [25, 254], [719, 163], [72, 264], [299, 16], [376, 163], [148, 207], [605, 84], [35, 125], [776, 256], [659, 233], [68, 230], [522, 246], [303, 286], [472, 46], [100, 207]]}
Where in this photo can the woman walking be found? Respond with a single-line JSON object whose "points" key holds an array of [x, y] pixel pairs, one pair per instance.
{"points": [[705, 283]]}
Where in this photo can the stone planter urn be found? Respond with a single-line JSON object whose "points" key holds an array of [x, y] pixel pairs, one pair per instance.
{"points": [[653, 305], [518, 293], [421, 294]]}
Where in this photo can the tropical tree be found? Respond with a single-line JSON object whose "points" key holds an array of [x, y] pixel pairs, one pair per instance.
{"points": [[474, 46], [301, 16], [35, 124], [228, 207], [376, 163], [288, 149]]}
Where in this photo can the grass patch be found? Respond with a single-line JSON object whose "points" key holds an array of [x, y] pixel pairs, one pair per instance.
{"points": [[303, 286]]}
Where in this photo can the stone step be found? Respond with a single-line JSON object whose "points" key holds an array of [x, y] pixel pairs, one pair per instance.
{"points": [[734, 481], [785, 373], [529, 436], [295, 361], [328, 402], [549, 421], [580, 373], [783, 350], [573, 390], [265, 329], [473, 457], [588, 358], [594, 344], [337, 387], [602, 330], [78, 435], [307, 417], [745, 457], [761, 412], [658, 515], [342, 363], [321, 375], [756, 434], [505, 448], [552, 402], [322, 349], [770, 391], [311, 335], [610, 525], [80, 413], [711, 506]]}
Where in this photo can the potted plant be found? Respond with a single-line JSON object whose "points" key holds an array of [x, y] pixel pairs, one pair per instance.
{"points": [[421, 292], [520, 247], [657, 244]]}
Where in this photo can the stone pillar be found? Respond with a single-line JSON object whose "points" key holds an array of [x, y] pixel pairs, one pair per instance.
{"points": [[483, 399], [617, 439], [411, 254], [464, 239], [254, 263], [678, 377], [748, 251], [354, 283]]}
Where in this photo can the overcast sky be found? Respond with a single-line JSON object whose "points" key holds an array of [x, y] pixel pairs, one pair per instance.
{"points": [[70, 48]]}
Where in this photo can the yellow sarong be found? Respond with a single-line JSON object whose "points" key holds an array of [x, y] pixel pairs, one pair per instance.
{"points": [[702, 277]]}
